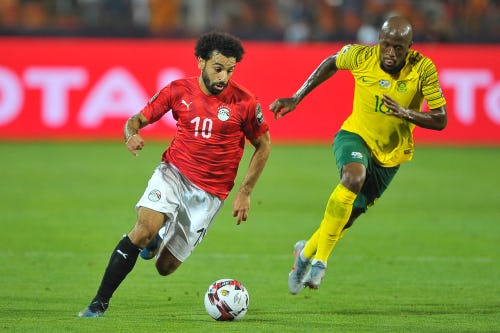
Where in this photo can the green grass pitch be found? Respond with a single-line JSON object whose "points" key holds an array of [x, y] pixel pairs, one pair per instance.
{"points": [[425, 258]]}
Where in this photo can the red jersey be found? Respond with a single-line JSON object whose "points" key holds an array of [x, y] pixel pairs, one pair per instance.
{"points": [[211, 131]]}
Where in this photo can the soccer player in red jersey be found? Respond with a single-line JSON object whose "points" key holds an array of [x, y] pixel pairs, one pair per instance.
{"points": [[215, 116]]}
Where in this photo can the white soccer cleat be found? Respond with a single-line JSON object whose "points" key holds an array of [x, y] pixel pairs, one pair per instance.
{"points": [[315, 275], [296, 276]]}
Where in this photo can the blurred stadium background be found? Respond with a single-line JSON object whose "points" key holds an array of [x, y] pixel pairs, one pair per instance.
{"points": [[458, 21]]}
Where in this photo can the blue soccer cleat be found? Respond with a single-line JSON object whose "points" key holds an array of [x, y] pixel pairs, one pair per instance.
{"points": [[150, 251], [95, 309]]}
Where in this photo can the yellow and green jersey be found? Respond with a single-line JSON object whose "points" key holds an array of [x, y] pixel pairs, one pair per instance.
{"points": [[389, 138]]}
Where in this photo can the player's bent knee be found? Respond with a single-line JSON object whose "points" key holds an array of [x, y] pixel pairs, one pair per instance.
{"points": [[353, 176], [166, 269], [166, 263]]}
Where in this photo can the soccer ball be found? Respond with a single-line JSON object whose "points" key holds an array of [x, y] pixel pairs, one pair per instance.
{"points": [[226, 300]]}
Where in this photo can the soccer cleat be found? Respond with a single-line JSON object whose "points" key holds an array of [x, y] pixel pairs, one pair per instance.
{"points": [[315, 275], [150, 251], [95, 309], [295, 283]]}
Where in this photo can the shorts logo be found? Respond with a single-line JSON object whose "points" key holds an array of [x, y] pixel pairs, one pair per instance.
{"points": [[154, 195], [356, 154], [223, 113]]}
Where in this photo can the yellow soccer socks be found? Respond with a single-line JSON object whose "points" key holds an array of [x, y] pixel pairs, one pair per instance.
{"points": [[311, 246], [337, 213]]}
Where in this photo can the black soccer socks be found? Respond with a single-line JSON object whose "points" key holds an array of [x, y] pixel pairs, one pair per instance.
{"points": [[122, 261]]}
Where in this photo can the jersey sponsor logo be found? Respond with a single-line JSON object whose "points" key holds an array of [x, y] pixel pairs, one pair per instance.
{"points": [[259, 115], [384, 83], [154, 195], [357, 154], [186, 104], [223, 113]]}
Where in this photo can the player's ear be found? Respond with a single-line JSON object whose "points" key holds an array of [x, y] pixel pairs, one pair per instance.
{"points": [[201, 63]]}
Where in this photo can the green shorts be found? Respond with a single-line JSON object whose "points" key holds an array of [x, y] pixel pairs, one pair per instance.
{"points": [[349, 147]]}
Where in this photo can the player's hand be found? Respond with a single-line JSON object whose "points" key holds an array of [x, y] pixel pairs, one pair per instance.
{"points": [[241, 206], [282, 106], [396, 109], [135, 143]]}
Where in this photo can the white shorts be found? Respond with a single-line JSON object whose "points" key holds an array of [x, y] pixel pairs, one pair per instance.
{"points": [[189, 210]]}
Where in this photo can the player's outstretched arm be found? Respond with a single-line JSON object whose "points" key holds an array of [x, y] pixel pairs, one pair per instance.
{"points": [[324, 71], [133, 140], [435, 119], [241, 203]]}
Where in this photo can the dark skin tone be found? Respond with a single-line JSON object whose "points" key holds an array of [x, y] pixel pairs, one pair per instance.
{"points": [[395, 40]]}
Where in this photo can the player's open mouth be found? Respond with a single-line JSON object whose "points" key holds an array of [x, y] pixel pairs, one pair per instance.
{"points": [[219, 86], [389, 62]]}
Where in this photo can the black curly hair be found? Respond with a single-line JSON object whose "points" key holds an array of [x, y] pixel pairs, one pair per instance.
{"points": [[225, 43]]}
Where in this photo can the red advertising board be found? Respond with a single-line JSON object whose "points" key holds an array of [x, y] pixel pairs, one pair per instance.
{"points": [[85, 89]]}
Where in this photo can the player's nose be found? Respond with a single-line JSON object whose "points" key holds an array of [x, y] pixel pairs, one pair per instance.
{"points": [[222, 76]]}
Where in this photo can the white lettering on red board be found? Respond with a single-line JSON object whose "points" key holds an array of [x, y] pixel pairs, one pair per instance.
{"points": [[55, 84], [466, 83], [11, 96], [116, 94]]}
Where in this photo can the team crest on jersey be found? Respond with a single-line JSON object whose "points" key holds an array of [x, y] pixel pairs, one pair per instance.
{"points": [[258, 114], [154, 195], [223, 113], [384, 83], [401, 86]]}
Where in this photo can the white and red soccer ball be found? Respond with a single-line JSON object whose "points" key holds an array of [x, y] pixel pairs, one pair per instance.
{"points": [[226, 300]]}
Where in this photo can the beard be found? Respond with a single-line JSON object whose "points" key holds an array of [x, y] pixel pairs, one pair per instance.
{"points": [[211, 87]]}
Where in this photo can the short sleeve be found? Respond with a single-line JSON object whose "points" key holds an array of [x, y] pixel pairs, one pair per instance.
{"points": [[158, 105], [255, 124]]}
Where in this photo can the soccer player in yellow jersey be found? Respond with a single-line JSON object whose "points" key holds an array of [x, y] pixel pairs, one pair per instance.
{"points": [[391, 82]]}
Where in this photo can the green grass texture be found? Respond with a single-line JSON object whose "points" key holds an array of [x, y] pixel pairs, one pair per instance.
{"points": [[425, 258]]}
